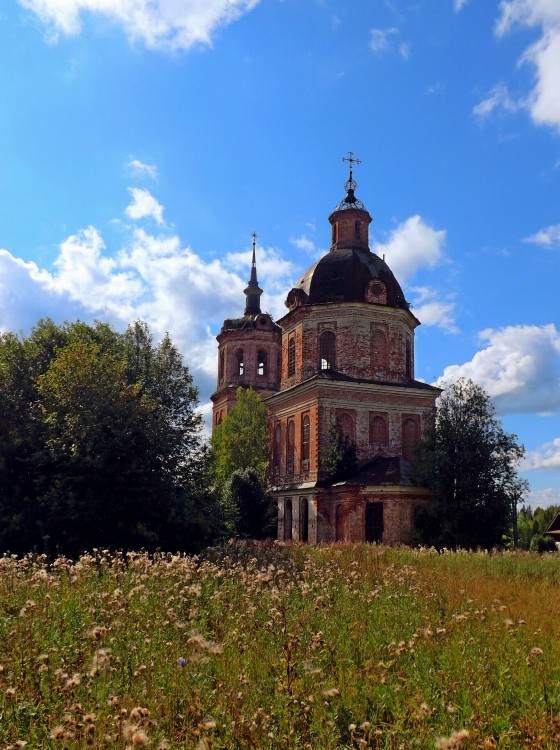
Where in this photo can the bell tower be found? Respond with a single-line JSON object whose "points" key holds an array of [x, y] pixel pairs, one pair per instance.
{"points": [[249, 351]]}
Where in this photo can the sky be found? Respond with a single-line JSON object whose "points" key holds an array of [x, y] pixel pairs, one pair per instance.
{"points": [[141, 144]]}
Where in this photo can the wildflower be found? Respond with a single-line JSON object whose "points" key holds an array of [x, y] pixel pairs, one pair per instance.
{"points": [[536, 651], [139, 738], [57, 733], [331, 692], [181, 661], [455, 741]]}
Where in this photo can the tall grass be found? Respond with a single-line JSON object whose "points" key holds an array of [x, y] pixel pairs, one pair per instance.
{"points": [[266, 646]]}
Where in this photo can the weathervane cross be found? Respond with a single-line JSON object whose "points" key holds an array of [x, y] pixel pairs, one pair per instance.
{"points": [[351, 161]]}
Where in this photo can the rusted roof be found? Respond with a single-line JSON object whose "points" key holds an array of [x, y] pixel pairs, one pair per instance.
{"points": [[383, 471]]}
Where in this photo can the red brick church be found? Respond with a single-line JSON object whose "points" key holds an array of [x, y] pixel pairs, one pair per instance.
{"points": [[343, 354]]}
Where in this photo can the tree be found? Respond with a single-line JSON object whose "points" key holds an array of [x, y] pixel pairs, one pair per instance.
{"points": [[470, 465], [100, 442], [239, 460], [339, 457]]}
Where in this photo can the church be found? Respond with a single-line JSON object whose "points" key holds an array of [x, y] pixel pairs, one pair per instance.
{"points": [[341, 358]]}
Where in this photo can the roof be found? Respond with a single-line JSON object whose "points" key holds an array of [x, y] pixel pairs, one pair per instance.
{"points": [[383, 471], [343, 274], [554, 528]]}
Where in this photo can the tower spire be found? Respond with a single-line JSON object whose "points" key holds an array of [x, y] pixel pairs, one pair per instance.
{"points": [[252, 290]]}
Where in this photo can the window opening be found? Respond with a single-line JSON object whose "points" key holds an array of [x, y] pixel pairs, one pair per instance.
{"points": [[291, 357], [327, 350]]}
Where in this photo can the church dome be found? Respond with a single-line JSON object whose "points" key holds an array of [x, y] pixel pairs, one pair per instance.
{"points": [[349, 272]]}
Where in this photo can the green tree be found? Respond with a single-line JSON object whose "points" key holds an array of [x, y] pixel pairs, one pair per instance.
{"points": [[470, 465], [339, 457], [100, 442], [239, 461]]}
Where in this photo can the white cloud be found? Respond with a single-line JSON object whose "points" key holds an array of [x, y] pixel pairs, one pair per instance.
{"points": [[498, 99], [431, 311], [542, 101], [170, 25], [546, 456], [519, 368], [139, 169], [548, 237], [404, 50], [381, 39], [144, 205], [543, 498], [459, 5], [411, 246]]}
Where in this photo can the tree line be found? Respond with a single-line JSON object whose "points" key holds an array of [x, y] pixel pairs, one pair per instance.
{"points": [[101, 445]]}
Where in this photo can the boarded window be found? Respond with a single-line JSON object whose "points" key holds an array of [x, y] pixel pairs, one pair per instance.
{"points": [[221, 368], [327, 351], [408, 355], [358, 230], [291, 356], [346, 424], [261, 363], [378, 430], [305, 439], [409, 438], [339, 524]]}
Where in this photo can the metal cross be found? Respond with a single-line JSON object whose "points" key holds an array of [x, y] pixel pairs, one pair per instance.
{"points": [[351, 161]]}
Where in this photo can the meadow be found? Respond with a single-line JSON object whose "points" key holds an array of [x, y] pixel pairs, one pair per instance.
{"points": [[271, 646]]}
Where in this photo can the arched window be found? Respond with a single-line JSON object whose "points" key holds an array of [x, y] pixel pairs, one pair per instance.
{"points": [[305, 438], [221, 368], [287, 518], [303, 520], [291, 447], [327, 351], [291, 356], [261, 363], [378, 432], [379, 350], [276, 449], [240, 362], [409, 438], [339, 524]]}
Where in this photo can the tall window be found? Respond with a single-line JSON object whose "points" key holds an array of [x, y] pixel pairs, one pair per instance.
{"points": [[346, 424], [305, 439], [287, 518], [378, 432], [261, 363], [409, 438], [291, 356], [303, 520], [291, 447], [357, 230], [327, 350], [221, 368], [276, 449], [240, 362]]}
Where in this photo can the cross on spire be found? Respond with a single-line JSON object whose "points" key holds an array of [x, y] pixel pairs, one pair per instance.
{"points": [[351, 161]]}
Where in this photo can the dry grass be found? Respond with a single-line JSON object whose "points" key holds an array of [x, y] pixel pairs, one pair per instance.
{"points": [[264, 646]]}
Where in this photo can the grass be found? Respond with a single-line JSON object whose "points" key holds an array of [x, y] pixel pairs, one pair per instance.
{"points": [[267, 646]]}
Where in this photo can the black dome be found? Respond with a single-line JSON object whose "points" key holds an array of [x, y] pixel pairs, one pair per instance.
{"points": [[343, 275]]}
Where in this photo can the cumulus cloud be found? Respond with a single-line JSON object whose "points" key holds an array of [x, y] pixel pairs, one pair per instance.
{"points": [[547, 237], [542, 102], [144, 205], [169, 25], [414, 244], [432, 311], [139, 169], [519, 368], [543, 498], [546, 456]]}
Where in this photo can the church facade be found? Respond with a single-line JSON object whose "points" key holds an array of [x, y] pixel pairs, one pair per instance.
{"points": [[341, 359]]}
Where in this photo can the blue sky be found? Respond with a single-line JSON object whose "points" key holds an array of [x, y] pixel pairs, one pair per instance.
{"points": [[142, 143]]}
